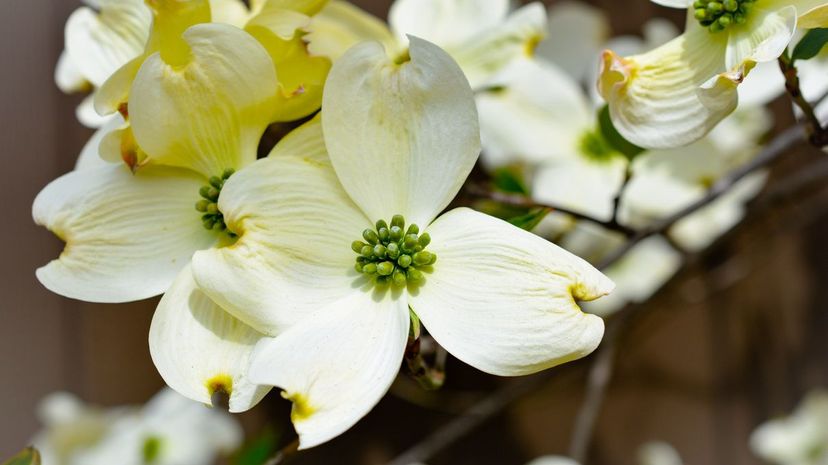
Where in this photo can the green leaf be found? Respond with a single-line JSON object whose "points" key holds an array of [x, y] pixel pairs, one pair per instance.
{"points": [[510, 179], [614, 138], [530, 220], [810, 45], [258, 450], [28, 456]]}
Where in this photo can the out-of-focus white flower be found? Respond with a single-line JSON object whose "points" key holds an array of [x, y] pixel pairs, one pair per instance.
{"points": [[665, 181], [799, 439], [70, 426], [652, 453], [576, 34], [676, 93], [495, 296], [168, 430], [658, 453], [553, 460]]}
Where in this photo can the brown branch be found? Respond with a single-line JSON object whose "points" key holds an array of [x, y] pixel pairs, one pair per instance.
{"points": [[521, 201], [770, 153], [816, 133]]}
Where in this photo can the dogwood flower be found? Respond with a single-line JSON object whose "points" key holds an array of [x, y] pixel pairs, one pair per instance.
{"points": [[676, 93], [799, 439], [128, 235], [104, 35], [168, 430], [540, 117], [278, 25], [663, 182], [333, 256]]}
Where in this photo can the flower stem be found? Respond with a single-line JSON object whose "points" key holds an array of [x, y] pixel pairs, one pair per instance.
{"points": [[817, 134]]}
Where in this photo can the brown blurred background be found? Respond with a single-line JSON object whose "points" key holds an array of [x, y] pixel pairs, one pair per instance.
{"points": [[736, 338]]}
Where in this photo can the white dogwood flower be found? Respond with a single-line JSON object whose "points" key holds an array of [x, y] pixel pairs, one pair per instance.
{"points": [[799, 439], [128, 235], [676, 93], [333, 256], [665, 181]]}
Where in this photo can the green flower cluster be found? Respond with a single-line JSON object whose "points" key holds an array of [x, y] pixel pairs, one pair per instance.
{"points": [[393, 254], [718, 15], [212, 218]]}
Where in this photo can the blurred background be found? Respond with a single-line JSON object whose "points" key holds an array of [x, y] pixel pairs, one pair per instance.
{"points": [[734, 339]]}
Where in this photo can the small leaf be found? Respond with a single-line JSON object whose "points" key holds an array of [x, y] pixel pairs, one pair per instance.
{"points": [[810, 45], [530, 220], [509, 179], [28, 456], [614, 138]]}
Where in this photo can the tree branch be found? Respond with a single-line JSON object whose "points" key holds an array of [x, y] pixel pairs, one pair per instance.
{"points": [[516, 200], [770, 153]]}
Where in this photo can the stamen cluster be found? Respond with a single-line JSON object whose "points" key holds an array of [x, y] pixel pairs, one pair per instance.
{"points": [[718, 15], [393, 254], [212, 218]]}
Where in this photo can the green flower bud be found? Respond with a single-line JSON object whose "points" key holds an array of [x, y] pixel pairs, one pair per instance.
{"points": [[358, 267], [227, 173], [393, 250], [212, 208], [404, 261], [422, 258], [414, 276], [385, 268], [370, 268], [380, 251], [381, 224], [715, 7], [216, 182], [700, 14], [398, 221], [396, 233], [424, 240], [213, 194], [357, 246], [370, 236], [730, 5], [202, 204], [367, 251], [413, 229], [384, 234], [398, 278]]}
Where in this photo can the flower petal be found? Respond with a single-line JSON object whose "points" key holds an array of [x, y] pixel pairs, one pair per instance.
{"points": [[341, 25], [504, 300], [296, 225], [533, 110], [667, 97], [674, 3], [447, 23], [586, 186], [575, 34], [813, 18], [765, 36], [209, 113], [490, 51], [98, 43], [86, 114], [336, 365], [90, 156], [301, 75], [198, 348], [412, 126], [68, 77], [127, 236]]}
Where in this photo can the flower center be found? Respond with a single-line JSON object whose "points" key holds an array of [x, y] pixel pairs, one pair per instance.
{"points": [[212, 218], [595, 147], [392, 254], [718, 15]]}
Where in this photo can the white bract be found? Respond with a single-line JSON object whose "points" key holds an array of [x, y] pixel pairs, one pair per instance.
{"points": [[799, 439], [676, 93], [401, 138]]}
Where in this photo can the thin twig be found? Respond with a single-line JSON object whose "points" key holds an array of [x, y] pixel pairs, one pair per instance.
{"points": [[283, 454], [816, 132], [776, 148], [516, 200]]}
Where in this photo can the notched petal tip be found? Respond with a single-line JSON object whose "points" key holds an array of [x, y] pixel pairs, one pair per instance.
{"points": [[220, 388], [302, 408], [615, 73], [717, 92]]}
